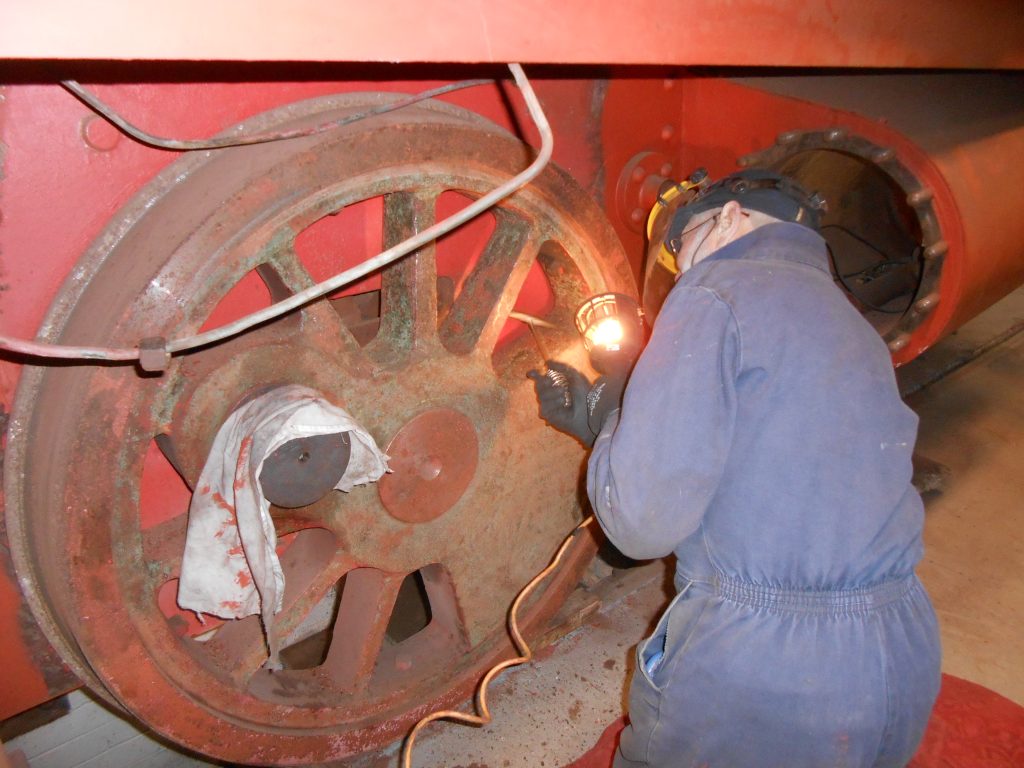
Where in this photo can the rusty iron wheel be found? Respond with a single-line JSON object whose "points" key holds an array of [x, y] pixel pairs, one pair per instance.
{"points": [[425, 357]]}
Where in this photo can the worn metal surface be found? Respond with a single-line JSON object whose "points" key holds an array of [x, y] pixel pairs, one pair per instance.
{"points": [[62, 164], [94, 556], [860, 33]]}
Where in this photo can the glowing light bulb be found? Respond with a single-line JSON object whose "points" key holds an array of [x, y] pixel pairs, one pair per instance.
{"points": [[608, 333]]}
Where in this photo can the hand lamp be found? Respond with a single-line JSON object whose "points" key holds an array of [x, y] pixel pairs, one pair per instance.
{"points": [[611, 325]]}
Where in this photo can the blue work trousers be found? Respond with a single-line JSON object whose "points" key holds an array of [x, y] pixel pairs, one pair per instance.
{"points": [[738, 675]]}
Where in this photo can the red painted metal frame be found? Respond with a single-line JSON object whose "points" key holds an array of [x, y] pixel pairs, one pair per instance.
{"points": [[65, 173], [840, 33]]}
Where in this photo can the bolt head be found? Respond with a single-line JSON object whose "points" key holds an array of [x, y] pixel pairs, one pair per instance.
{"points": [[98, 134], [898, 343]]}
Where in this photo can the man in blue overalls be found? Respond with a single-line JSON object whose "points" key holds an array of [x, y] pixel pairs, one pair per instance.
{"points": [[762, 440]]}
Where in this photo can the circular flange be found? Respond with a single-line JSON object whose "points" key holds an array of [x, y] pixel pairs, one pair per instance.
{"points": [[792, 146], [433, 459]]}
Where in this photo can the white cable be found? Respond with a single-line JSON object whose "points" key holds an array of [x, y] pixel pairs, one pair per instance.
{"points": [[42, 349]]}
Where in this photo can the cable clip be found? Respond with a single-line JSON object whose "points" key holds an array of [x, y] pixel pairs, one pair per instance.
{"points": [[154, 357]]}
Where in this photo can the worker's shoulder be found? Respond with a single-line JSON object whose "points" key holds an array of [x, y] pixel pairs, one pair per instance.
{"points": [[739, 282]]}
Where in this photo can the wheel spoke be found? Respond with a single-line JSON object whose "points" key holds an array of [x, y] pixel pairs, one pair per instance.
{"points": [[365, 609], [285, 272], [409, 286], [163, 546], [165, 443], [445, 612], [312, 566], [491, 289], [278, 288]]}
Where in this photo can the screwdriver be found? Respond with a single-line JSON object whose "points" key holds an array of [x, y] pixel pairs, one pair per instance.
{"points": [[558, 379]]}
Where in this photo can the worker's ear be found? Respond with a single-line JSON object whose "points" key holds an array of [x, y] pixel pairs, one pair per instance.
{"points": [[729, 222]]}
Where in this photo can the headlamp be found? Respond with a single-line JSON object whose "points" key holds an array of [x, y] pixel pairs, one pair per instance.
{"points": [[611, 325]]}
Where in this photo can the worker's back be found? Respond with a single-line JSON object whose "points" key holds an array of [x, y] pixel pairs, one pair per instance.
{"points": [[762, 439], [816, 491]]}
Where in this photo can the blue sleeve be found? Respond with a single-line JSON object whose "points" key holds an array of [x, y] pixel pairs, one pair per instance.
{"points": [[656, 465]]}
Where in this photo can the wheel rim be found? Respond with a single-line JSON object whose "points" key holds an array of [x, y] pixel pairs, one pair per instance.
{"points": [[436, 374]]}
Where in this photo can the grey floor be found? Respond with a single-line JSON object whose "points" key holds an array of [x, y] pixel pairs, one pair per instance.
{"points": [[547, 713]]}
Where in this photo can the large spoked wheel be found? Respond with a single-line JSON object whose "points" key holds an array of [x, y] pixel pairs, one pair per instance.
{"points": [[396, 593]]}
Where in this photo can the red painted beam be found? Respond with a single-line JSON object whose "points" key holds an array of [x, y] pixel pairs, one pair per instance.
{"points": [[840, 33]]}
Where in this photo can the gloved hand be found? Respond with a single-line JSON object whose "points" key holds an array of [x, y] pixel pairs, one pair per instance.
{"points": [[603, 398], [562, 392]]}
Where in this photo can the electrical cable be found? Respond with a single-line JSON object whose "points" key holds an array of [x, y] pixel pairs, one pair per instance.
{"points": [[221, 142], [525, 655], [887, 260], [499, 193]]}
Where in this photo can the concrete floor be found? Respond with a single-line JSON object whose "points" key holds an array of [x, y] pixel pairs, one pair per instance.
{"points": [[973, 422], [549, 712]]}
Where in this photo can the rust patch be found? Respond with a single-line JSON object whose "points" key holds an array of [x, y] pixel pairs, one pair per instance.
{"points": [[221, 502], [244, 453], [575, 710]]}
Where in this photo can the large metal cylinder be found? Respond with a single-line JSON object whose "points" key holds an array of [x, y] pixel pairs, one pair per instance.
{"points": [[923, 172]]}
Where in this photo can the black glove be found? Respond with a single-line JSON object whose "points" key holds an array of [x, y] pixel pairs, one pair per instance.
{"points": [[603, 398], [562, 392]]}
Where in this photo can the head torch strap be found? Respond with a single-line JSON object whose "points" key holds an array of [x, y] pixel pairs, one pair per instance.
{"points": [[757, 190]]}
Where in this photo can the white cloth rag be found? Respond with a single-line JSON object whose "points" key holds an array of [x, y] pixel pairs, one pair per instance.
{"points": [[230, 568]]}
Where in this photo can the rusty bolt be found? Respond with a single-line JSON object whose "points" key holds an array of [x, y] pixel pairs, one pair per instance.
{"points": [[153, 354], [666, 170], [898, 343], [927, 303], [936, 249], [667, 132], [920, 197], [637, 215], [668, 84], [639, 173]]}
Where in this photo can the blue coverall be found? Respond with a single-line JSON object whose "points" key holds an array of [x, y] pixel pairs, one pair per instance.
{"points": [[762, 439]]}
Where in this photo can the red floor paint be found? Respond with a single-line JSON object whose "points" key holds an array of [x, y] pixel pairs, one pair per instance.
{"points": [[971, 727]]}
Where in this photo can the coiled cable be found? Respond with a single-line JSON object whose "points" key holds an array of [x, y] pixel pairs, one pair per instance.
{"points": [[525, 655]]}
